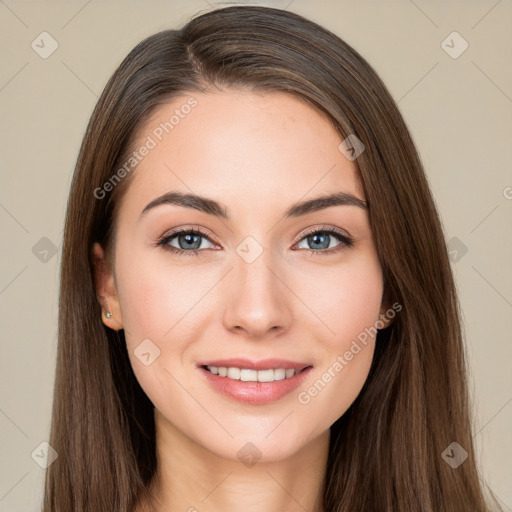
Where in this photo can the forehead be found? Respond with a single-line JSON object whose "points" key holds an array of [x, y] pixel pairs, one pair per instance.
{"points": [[244, 148]]}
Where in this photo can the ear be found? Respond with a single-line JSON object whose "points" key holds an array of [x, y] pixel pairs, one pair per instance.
{"points": [[105, 289]]}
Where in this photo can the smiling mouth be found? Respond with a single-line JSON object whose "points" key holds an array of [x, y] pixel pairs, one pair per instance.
{"points": [[250, 375]]}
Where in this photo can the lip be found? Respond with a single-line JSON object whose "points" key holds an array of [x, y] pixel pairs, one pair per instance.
{"points": [[262, 364], [255, 393]]}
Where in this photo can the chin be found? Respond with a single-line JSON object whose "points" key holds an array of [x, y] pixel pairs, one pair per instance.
{"points": [[250, 449]]}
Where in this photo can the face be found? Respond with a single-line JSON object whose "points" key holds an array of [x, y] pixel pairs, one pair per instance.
{"points": [[241, 275]]}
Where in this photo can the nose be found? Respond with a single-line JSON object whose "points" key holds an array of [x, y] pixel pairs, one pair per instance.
{"points": [[258, 302]]}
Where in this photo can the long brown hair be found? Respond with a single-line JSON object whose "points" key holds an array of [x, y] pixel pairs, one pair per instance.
{"points": [[386, 450]]}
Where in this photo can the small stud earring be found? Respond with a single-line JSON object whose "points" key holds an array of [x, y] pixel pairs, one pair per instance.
{"points": [[108, 314]]}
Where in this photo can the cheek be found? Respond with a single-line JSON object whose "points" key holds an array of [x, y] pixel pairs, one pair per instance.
{"points": [[346, 298], [160, 302], [154, 294], [348, 304]]}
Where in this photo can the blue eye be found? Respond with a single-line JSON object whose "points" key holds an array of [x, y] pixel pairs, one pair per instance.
{"points": [[321, 238], [190, 241]]}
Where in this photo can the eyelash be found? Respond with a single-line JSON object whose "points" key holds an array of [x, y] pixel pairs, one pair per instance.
{"points": [[345, 241]]}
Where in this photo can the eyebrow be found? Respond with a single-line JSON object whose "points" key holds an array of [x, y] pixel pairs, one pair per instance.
{"points": [[212, 207]]}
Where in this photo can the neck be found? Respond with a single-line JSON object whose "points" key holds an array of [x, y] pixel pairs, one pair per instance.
{"points": [[191, 478]]}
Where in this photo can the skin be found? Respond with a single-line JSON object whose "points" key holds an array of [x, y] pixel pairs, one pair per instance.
{"points": [[257, 154]]}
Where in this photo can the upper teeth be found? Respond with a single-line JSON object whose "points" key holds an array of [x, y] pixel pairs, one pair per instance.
{"points": [[253, 375]]}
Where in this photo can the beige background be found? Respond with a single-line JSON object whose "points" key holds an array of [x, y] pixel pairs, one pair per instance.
{"points": [[457, 109]]}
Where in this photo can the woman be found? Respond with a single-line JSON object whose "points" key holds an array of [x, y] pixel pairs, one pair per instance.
{"points": [[212, 356]]}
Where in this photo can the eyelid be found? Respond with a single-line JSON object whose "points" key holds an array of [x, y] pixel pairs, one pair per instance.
{"points": [[187, 229], [324, 227]]}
